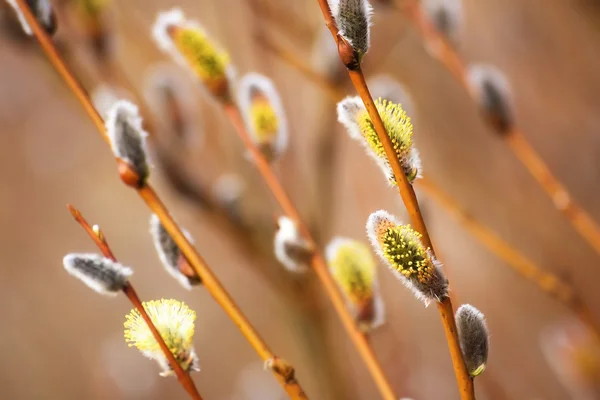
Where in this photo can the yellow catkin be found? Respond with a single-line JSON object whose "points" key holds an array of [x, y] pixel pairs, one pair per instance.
{"points": [[402, 247], [265, 123], [209, 63], [174, 321], [354, 269], [397, 125]]}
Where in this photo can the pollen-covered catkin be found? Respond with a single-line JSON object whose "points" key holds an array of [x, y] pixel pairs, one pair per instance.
{"points": [[400, 247], [355, 118], [355, 271], [264, 115], [188, 44], [175, 322]]}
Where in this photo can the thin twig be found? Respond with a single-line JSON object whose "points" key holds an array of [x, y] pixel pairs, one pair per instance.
{"points": [[349, 58], [445, 53], [98, 237], [546, 281], [210, 281]]}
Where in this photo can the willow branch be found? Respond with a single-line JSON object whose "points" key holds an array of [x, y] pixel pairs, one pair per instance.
{"points": [[99, 239], [146, 192], [349, 58]]}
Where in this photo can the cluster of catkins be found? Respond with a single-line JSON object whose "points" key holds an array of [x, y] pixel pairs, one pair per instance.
{"points": [[350, 261]]}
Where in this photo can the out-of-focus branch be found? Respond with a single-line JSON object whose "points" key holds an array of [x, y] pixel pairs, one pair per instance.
{"points": [[514, 136]]}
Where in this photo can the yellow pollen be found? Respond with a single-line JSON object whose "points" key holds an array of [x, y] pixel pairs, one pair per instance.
{"points": [[402, 247], [207, 62], [397, 125], [174, 321], [264, 120], [354, 269]]}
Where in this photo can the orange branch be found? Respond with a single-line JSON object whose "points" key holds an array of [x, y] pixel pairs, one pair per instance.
{"points": [[98, 237]]}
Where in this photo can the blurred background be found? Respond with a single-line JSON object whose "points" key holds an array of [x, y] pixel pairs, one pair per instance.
{"points": [[59, 340]]}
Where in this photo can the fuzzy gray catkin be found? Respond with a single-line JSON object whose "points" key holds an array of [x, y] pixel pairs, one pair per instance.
{"points": [[43, 12], [473, 337], [492, 93], [128, 138], [99, 273], [353, 18], [169, 253]]}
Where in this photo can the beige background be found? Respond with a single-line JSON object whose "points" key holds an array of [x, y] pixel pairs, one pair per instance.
{"points": [[58, 340]]}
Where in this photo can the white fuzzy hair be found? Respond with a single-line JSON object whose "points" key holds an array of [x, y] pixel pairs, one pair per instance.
{"points": [[288, 233]]}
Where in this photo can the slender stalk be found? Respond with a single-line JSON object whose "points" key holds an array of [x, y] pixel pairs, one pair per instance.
{"points": [[210, 281], [583, 223], [349, 58], [98, 237], [547, 282], [318, 262]]}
